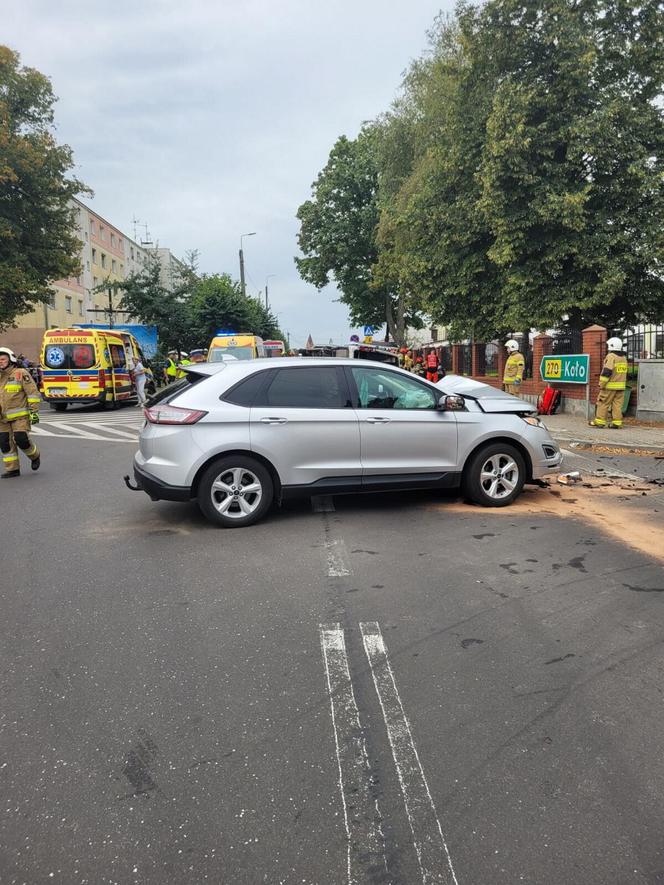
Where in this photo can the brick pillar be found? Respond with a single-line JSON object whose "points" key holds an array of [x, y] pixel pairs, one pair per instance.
{"points": [[455, 358], [594, 344], [542, 346], [475, 359]]}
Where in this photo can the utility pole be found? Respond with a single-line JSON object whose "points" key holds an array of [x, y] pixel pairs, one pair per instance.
{"points": [[268, 277], [110, 311], [243, 287]]}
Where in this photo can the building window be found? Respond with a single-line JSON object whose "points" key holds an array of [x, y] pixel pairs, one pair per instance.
{"points": [[68, 303], [95, 282], [94, 256], [80, 307], [114, 265], [113, 240], [103, 260], [131, 252], [51, 300], [102, 232], [87, 265], [92, 227]]}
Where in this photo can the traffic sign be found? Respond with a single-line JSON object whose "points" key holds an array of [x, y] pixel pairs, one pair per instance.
{"points": [[369, 330], [566, 368]]}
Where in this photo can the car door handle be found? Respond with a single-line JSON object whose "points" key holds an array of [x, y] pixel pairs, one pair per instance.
{"points": [[273, 420], [377, 420]]}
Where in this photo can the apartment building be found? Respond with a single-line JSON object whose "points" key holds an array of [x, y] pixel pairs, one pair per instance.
{"points": [[107, 256]]}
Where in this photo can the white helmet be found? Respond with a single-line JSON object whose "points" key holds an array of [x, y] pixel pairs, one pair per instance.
{"points": [[615, 344], [512, 345], [184, 355], [9, 353]]}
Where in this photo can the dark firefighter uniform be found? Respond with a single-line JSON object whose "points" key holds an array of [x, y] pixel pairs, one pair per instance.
{"points": [[612, 383], [19, 400]]}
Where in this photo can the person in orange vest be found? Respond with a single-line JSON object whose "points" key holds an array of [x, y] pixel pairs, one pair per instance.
{"points": [[432, 366]]}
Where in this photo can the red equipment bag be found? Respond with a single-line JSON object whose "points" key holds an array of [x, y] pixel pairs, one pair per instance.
{"points": [[548, 401]]}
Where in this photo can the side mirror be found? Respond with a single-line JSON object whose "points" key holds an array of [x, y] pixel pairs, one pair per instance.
{"points": [[453, 403]]}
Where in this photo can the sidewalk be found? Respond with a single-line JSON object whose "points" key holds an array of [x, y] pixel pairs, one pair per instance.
{"points": [[568, 429]]}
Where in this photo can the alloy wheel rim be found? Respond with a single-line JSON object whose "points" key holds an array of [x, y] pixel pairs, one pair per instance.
{"points": [[236, 493], [499, 476]]}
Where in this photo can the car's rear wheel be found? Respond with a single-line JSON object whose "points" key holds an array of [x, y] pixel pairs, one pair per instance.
{"points": [[235, 491], [495, 475]]}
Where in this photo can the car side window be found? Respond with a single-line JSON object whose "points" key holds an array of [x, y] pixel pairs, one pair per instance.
{"points": [[245, 393], [379, 389], [306, 387]]}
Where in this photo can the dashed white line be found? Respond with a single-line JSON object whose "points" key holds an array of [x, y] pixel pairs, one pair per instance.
{"points": [[432, 852], [338, 563], [366, 846], [107, 429]]}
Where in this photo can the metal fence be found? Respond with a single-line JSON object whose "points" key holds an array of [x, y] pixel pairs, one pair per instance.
{"points": [[488, 358], [445, 357], [644, 342], [567, 341], [465, 359]]}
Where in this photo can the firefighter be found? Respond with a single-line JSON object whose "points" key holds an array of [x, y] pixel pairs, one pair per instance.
{"points": [[612, 383], [514, 368], [19, 409]]}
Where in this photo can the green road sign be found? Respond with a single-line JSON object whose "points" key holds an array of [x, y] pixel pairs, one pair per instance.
{"points": [[566, 368]]}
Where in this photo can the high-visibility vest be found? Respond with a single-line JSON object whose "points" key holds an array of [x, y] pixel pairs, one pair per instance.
{"points": [[614, 372], [171, 368], [432, 361]]}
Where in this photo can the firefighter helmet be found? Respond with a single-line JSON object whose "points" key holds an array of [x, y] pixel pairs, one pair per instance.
{"points": [[614, 344], [8, 353], [512, 345]]}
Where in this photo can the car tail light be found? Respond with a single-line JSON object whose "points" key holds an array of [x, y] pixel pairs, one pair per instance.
{"points": [[102, 378], [172, 415]]}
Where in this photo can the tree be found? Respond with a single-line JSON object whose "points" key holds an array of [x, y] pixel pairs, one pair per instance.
{"points": [[217, 302], [38, 239], [145, 298], [573, 162], [338, 235]]}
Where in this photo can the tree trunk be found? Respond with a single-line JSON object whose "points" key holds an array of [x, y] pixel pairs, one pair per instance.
{"points": [[396, 325]]}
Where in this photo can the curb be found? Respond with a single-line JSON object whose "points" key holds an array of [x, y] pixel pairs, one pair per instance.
{"points": [[590, 445]]}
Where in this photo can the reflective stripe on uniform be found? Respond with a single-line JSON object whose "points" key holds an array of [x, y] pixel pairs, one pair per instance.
{"points": [[34, 399], [13, 388], [32, 451], [614, 385], [12, 416], [7, 458]]}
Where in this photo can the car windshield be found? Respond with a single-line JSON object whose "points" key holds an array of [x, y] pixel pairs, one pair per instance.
{"points": [[218, 354]]}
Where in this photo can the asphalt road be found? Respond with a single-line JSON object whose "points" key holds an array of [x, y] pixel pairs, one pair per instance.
{"points": [[397, 689]]}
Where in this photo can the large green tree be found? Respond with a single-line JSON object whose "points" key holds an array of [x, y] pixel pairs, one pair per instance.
{"points": [[337, 237], [572, 172], [38, 238], [217, 302]]}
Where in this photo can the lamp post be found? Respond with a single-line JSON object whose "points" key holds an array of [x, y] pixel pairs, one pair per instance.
{"points": [[242, 283], [268, 277]]}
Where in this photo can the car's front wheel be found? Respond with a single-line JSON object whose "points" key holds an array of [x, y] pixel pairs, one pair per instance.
{"points": [[235, 491], [495, 475]]}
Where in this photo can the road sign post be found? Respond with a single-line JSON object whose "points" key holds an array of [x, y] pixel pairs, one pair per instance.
{"points": [[568, 368]]}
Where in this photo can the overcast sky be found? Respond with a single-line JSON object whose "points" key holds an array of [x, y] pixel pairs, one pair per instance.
{"points": [[207, 119]]}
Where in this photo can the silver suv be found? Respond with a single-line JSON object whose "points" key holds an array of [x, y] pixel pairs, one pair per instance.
{"points": [[238, 436]]}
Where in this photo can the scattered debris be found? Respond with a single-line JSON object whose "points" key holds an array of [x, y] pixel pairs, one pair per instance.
{"points": [[567, 479]]}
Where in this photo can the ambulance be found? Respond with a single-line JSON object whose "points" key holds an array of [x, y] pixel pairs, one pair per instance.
{"points": [[86, 366], [241, 346]]}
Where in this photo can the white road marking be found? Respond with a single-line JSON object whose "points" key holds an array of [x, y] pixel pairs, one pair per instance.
{"points": [[366, 845], [432, 852], [322, 504], [338, 564], [74, 431], [108, 429]]}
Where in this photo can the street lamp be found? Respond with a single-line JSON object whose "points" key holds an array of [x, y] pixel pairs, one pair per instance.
{"points": [[268, 277], [242, 284]]}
